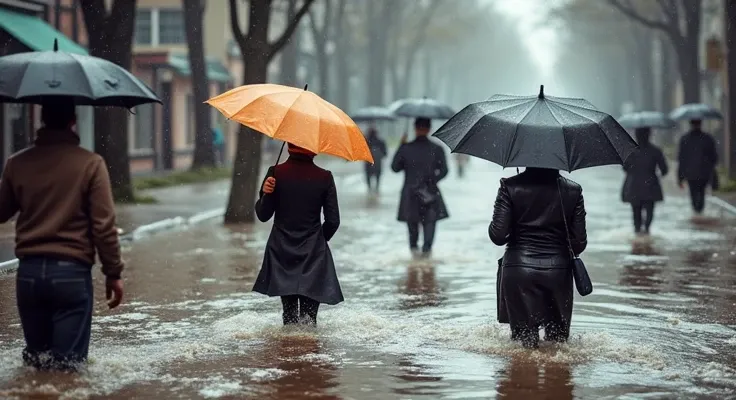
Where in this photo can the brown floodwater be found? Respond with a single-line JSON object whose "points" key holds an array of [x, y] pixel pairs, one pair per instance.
{"points": [[661, 323]]}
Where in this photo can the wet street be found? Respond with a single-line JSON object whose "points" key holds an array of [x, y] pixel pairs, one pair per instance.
{"points": [[660, 324]]}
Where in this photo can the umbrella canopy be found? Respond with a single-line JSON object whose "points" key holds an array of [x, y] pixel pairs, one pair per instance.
{"points": [[695, 111], [295, 116], [646, 119], [369, 114], [538, 131], [422, 108], [36, 77]]}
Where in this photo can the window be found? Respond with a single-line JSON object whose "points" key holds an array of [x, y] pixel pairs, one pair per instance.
{"points": [[191, 123], [143, 27], [171, 27], [143, 129]]}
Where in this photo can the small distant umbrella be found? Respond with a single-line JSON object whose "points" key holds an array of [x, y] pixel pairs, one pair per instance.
{"points": [[538, 131], [646, 119], [422, 108], [39, 76], [695, 111], [369, 114]]}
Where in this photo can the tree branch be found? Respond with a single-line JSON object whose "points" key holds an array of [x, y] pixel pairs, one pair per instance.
{"points": [[630, 12], [235, 27], [276, 46]]}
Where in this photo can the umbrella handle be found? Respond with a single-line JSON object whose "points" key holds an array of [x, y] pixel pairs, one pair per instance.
{"points": [[279, 156]]}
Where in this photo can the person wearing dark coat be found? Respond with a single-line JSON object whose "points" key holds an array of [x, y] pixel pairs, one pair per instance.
{"points": [[641, 188], [537, 280], [424, 165], [297, 264], [697, 157], [378, 151]]}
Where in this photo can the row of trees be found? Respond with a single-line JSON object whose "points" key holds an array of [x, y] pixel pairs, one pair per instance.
{"points": [[362, 52]]}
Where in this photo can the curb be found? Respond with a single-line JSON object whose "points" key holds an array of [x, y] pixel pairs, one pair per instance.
{"points": [[726, 206], [144, 231]]}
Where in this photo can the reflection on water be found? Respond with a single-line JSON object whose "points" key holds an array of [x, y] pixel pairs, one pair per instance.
{"points": [[420, 287], [524, 379]]}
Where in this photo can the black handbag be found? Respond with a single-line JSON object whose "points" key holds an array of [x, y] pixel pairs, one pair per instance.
{"points": [[579, 272], [502, 312]]}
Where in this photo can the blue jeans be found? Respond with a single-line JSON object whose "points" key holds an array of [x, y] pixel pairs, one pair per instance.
{"points": [[55, 300]]}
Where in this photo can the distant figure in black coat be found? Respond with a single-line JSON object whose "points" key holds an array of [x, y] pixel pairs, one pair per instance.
{"points": [[298, 264], [378, 151], [537, 277], [641, 188], [697, 162], [424, 165]]}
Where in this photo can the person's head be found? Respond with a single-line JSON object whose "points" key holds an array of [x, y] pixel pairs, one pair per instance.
{"points": [[372, 132], [294, 149], [695, 124], [58, 115], [422, 126], [642, 135]]}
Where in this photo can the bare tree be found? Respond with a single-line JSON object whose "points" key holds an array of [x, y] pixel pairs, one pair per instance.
{"points": [[204, 152], [257, 52], [680, 21], [323, 35], [110, 36], [289, 57], [343, 45]]}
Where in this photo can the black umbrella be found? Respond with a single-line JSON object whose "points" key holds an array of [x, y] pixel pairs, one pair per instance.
{"points": [[369, 114], [36, 77], [646, 119], [538, 131], [422, 108], [695, 111]]}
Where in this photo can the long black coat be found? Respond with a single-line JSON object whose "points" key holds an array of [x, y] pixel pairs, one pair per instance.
{"points": [[379, 152], [536, 279], [297, 260], [697, 157], [642, 184], [423, 162]]}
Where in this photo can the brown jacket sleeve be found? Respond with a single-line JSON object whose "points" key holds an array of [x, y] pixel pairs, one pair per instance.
{"points": [[102, 213], [8, 202]]}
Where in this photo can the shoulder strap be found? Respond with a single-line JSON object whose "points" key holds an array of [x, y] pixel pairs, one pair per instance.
{"points": [[564, 219]]}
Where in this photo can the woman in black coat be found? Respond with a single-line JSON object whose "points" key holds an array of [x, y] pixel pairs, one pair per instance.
{"points": [[536, 280], [297, 263], [641, 188]]}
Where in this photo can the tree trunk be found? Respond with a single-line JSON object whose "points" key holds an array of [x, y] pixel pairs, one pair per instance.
{"points": [[730, 131], [289, 60], [111, 38], [204, 152], [669, 80], [379, 13], [645, 50], [342, 66], [247, 165], [687, 61]]}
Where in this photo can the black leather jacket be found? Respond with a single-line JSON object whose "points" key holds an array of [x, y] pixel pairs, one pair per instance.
{"points": [[528, 219]]}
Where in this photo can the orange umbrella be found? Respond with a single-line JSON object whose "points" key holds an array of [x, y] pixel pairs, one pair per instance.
{"points": [[295, 116]]}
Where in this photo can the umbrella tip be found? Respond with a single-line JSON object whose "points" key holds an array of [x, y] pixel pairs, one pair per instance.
{"points": [[541, 91], [56, 44], [306, 86]]}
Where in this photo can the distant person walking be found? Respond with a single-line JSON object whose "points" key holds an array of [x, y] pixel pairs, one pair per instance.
{"points": [[218, 142], [462, 161], [641, 188], [424, 166], [378, 150], [298, 264], [66, 214], [697, 157]]}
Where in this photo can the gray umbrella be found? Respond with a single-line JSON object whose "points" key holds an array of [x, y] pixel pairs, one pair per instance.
{"points": [[37, 77], [368, 114], [646, 119], [695, 111], [422, 108]]}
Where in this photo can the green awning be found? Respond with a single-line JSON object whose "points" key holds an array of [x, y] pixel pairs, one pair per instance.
{"points": [[215, 70], [35, 33]]}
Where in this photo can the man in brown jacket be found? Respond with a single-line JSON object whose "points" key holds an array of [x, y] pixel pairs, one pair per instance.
{"points": [[66, 215]]}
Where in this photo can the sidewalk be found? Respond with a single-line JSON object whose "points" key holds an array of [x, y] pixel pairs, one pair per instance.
{"points": [[177, 201]]}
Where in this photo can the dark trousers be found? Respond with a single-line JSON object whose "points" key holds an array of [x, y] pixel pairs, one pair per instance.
{"points": [[697, 194], [298, 308], [643, 212], [55, 300], [370, 175], [428, 228]]}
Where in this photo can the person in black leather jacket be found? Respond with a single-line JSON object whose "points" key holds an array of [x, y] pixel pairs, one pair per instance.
{"points": [[537, 283]]}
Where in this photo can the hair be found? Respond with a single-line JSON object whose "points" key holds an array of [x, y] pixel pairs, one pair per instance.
{"points": [[58, 115], [642, 135], [422, 123], [695, 122], [372, 131]]}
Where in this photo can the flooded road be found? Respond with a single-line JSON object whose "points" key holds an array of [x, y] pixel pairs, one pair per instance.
{"points": [[660, 324]]}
